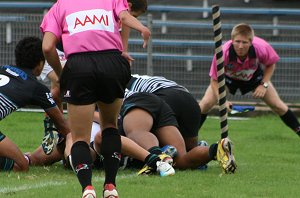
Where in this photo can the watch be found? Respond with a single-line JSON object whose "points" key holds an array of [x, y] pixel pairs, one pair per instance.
{"points": [[265, 84]]}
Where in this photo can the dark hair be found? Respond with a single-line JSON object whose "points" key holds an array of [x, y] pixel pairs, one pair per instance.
{"points": [[138, 5], [28, 52]]}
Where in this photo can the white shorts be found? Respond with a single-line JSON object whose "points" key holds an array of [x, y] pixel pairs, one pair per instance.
{"points": [[47, 68], [95, 129]]}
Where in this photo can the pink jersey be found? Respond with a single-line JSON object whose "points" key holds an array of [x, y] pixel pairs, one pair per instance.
{"points": [[263, 54], [85, 26]]}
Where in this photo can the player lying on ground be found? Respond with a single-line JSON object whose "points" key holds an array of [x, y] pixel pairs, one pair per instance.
{"points": [[151, 123], [19, 87], [180, 100], [129, 148]]}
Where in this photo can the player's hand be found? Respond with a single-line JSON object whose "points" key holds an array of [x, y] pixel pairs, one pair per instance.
{"points": [[128, 57], [229, 106], [259, 92], [146, 35]]}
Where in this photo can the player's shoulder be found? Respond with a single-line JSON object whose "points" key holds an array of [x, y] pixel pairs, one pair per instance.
{"points": [[259, 42]]}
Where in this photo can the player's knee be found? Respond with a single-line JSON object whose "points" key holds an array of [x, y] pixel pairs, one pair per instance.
{"points": [[279, 108]]}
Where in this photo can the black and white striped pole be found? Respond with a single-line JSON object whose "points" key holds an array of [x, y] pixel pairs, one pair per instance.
{"points": [[220, 68]]}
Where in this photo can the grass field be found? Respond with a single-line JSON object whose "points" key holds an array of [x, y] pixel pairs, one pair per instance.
{"points": [[267, 153]]}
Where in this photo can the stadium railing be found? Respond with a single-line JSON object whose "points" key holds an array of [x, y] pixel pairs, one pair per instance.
{"points": [[164, 47]]}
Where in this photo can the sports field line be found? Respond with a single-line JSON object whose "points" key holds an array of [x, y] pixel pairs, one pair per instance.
{"points": [[25, 187], [230, 118], [6, 190]]}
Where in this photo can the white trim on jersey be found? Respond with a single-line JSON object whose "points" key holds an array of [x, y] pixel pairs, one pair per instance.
{"points": [[6, 106], [150, 84]]}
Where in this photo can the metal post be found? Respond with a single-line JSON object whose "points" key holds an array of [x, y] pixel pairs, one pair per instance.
{"points": [[8, 33], [149, 47], [189, 63], [205, 5], [275, 23], [164, 19]]}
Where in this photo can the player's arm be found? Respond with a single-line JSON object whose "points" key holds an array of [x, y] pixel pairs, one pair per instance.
{"points": [[132, 22], [261, 90], [215, 88], [268, 73], [58, 119], [125, 32], [50, 53]]}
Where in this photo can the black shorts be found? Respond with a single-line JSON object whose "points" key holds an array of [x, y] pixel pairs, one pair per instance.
{"points": [[161, 113], [185, 107], [94, 76], [244, 86]]}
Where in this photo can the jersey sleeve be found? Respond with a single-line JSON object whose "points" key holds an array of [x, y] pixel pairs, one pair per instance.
{"points": [[42, 97], [51, 22], [213, 69], [120, 5], [267, 54]]}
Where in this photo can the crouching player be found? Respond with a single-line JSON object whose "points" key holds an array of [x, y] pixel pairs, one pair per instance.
{"points": [[19, 87]]}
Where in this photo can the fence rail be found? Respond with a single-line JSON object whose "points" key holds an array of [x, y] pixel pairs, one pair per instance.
{"points": [[184, 51], [224, 10]]}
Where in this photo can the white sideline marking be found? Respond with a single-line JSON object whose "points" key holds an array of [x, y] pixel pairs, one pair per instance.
{"points": [[6, 190], [30, 186], [230, 118]]}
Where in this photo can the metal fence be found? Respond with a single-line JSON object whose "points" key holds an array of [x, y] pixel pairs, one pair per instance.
{"points": [[182, 43]]}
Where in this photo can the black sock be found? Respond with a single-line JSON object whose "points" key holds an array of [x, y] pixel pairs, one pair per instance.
{"points": [[290, 119], [155, 150], [212, 152], [111, 153], [202, 119], [81, 161], [151, 160]]}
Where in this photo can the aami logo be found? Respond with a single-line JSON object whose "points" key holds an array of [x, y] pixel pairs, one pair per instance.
{"points": [[97, 19]]}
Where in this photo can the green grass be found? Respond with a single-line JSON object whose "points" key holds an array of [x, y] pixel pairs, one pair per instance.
{"points": [[267, 153]]}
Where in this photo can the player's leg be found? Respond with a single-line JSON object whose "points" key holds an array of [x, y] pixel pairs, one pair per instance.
{"points": [[131, 149], [111, 143], [137, 124], [169, 135], [55, 90], [11, 157], [273, 100], [39, 158], [207, 103], [81, 118], [187, 113]]}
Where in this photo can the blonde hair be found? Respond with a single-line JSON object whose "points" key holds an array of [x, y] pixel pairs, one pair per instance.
{"points": [[242, 29]]}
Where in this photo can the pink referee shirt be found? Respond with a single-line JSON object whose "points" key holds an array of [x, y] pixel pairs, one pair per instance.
{"points": [[85, 26], [244, 70]]}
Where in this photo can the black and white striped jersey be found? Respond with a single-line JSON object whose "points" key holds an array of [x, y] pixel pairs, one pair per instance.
{"points": [[150, 84], [19, 88]]}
